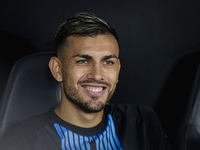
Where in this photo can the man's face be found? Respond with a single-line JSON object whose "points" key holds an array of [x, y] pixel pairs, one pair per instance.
{"points": [[90, 69]]}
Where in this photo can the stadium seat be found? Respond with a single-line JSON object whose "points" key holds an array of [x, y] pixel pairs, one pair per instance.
{"points": [[30, 90], [188, 137]]}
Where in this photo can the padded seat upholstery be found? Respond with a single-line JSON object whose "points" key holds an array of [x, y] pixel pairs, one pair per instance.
{"points": [[30, 90], [188, 137]]}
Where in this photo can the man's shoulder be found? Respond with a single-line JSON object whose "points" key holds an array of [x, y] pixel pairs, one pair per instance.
{"points": [[25, 133], [35, 120], [139, 111], [29, 125]]}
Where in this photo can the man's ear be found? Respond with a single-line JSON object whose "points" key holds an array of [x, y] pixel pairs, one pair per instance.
{"points": [[55, 68]]}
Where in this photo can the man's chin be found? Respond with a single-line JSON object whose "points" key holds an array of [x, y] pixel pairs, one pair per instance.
{"points": [[92, 108]]}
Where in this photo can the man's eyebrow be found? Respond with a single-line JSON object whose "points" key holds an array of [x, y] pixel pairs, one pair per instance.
{"points": [[83, 56], [90, 57], [109, 56]]}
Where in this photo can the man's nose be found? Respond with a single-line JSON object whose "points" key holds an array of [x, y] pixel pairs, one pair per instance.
{"points": [[96, 73]]}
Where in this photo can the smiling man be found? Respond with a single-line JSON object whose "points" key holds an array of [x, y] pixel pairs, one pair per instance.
{"points": [[87, 66], [88, 69]]}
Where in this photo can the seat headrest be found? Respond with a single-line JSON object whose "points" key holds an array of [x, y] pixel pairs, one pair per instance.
{"points": [[30, 90]]}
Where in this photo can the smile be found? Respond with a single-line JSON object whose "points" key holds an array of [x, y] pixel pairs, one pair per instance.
{"points": [[95, 89]]}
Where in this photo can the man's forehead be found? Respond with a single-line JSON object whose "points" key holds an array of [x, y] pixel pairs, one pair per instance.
{"points": [[100, 40], [98, 45]]}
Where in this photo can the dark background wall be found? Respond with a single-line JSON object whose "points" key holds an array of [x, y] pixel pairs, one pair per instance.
{"points": [[159, 45]]}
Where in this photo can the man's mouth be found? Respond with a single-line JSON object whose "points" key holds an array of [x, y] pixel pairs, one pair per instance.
{"points": [[95, 89]]}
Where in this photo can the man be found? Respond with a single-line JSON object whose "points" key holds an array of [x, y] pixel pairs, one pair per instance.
{"points": [[87, 66]]}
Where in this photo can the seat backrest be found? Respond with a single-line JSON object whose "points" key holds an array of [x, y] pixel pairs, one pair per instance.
{"points": [[30, 90], [188, 137]]}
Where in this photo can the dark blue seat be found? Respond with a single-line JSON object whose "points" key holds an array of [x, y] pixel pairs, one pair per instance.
{"points": [[30, 90], [188, 137]]}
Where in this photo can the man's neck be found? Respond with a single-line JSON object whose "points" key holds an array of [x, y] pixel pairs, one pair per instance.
{"points": [[72, 114]]}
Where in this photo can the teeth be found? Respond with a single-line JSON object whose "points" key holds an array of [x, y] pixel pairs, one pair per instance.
{"points": [[95, 89]]}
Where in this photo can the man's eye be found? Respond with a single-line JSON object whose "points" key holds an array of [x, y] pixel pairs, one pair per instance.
{"points": [[108, 63], [82, 61]]}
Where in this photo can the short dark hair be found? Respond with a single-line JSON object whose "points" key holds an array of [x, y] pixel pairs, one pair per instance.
{"points": [[81, 25]]}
